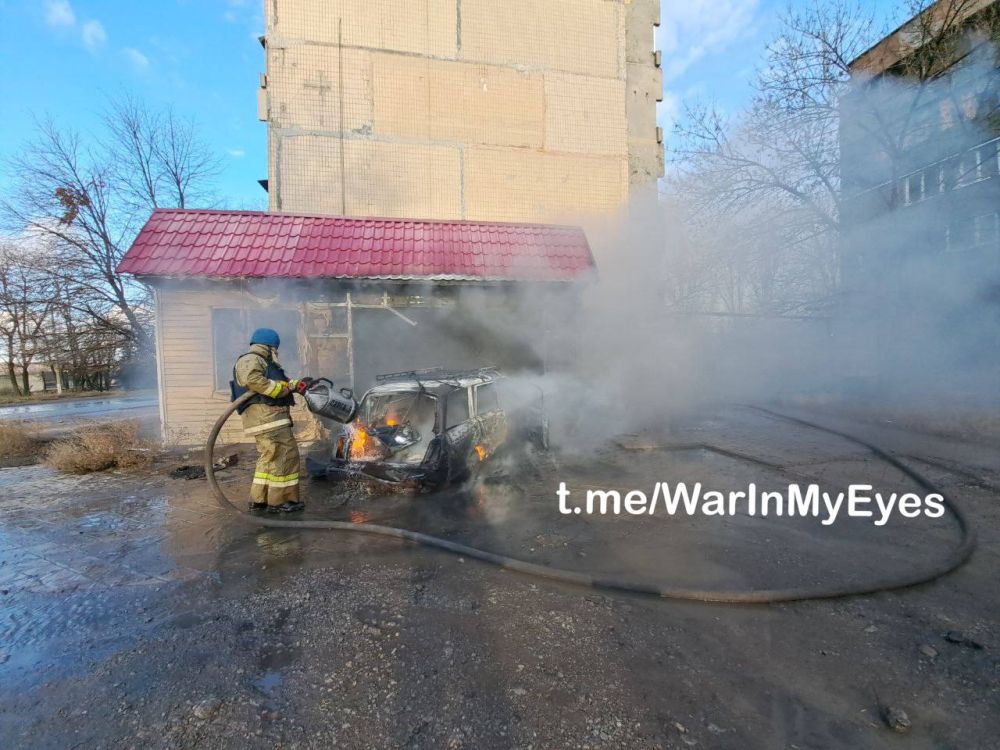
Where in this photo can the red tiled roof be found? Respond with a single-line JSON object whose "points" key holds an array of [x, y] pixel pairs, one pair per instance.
{"points": [[182, 242]]}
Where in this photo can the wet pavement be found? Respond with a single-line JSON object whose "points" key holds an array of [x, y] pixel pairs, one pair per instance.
{"points": [[71, 409], [137, 612]]}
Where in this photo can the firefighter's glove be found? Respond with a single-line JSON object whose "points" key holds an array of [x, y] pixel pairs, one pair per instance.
{"points": [[301, 385]]}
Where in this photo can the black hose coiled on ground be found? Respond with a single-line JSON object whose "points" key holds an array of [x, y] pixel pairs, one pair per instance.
{"points": [[958, 556]]}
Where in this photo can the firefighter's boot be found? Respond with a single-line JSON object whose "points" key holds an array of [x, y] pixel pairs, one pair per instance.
{"points": [[289, 507]]}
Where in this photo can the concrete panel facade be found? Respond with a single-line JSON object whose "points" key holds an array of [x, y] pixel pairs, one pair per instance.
{"points": [[584, 114], [421, 27], [518, 184], [576, 36], [520, 110], [452, 102], [412, 180]]}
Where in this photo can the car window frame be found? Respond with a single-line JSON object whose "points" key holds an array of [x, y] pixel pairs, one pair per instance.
{"points": [[496, 391], [469, 405]]}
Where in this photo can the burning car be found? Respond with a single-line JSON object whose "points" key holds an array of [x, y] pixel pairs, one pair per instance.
{"points": [[425, 429]]}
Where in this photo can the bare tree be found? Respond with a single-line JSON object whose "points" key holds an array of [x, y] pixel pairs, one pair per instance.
{"points": [[159, 161], [773, 173], [77, 350], [89, 199], [25, 311]]}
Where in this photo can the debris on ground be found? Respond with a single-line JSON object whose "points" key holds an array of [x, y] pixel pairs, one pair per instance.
{"points": [[953, 636], [207, 709], [896, 719], [197, 471], [637, 443], [928, 650]]}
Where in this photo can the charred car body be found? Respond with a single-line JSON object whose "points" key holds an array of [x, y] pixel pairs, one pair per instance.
{"points": [[426, 429]]}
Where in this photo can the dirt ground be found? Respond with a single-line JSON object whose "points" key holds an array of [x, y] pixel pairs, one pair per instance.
{"points": [[136, 613]]}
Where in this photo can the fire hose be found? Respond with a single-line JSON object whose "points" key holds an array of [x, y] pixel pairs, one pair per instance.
{"points": [[958, 556]]}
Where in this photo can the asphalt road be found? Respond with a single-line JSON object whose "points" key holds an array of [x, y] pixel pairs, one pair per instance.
{"points": [[134, 612], [81, 408]]}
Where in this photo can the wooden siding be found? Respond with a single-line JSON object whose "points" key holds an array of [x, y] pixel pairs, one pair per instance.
{"points": [[189, 401]]}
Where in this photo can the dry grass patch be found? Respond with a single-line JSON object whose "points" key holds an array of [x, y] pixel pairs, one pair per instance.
{"points": [[18, 440], [115, 445]]}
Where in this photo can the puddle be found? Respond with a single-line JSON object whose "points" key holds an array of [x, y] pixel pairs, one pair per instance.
{"points": [[73, 408], [269, 683]]}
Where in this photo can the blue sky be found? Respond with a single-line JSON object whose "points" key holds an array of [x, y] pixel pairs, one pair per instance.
{"points": [[712, 48], [202, 57]]}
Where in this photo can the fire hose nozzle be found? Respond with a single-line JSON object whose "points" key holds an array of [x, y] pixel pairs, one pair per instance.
{"points": [[302, 385], [324, 400]]}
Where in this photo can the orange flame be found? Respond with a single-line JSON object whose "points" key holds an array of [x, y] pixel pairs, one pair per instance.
{"points": [[391, 422], [360, 440], [481, 452]]}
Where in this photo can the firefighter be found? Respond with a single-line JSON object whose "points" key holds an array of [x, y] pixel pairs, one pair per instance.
{"points": [[266, 417]]}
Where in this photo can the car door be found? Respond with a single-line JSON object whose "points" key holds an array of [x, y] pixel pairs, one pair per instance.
{"points": [[491, 419], [460, 432]]}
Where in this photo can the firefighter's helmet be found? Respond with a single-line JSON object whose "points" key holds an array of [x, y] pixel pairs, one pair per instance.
{"points": [[267, 337]]}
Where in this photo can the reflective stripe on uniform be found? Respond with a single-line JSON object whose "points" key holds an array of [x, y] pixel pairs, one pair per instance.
{"points": [[275, 480], [267, 426], [276, 477], [275, 389]]}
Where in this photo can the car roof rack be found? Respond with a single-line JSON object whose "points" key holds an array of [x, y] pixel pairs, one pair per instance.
{"points": [[437, 373]]}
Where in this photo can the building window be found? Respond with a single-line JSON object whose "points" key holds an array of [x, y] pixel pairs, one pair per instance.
{"points": [[991, 160], [986, 229], [947, 114], [913, 188], [966, 170], [967, 234], [231, 329], [227, 344], [962, 173], [958, 236]]}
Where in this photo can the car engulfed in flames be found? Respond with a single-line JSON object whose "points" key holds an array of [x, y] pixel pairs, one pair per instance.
{"points": [[432, 428]]}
